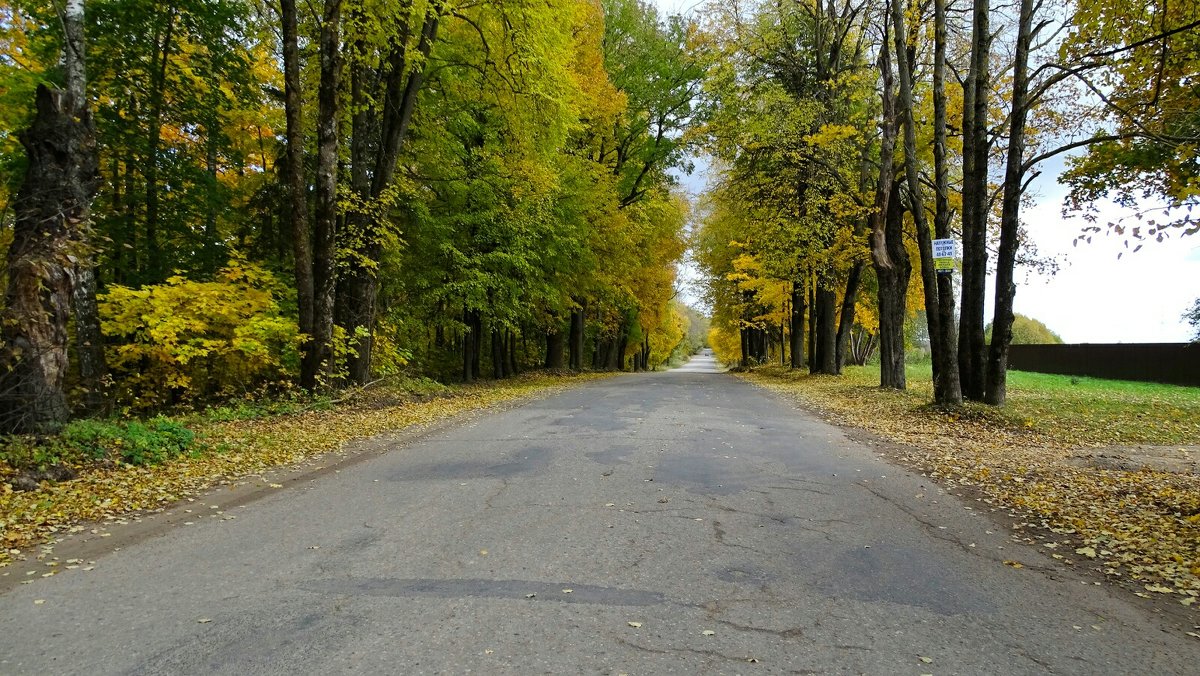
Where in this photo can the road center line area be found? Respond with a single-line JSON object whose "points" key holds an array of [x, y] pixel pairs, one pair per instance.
{"points": [[676, 522]]}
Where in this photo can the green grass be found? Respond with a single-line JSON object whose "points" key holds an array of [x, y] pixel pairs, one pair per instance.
{"points": [[1068, 409], [1107, 411]]}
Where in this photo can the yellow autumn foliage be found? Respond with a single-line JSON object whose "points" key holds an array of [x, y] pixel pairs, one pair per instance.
{"points": [[185, 340], [726, 344]]}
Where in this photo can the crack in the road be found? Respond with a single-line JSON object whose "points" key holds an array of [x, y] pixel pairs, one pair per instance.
{"points": [[1020, 651], [790, 633], [499, 491], [719, 535], [933, 529], [777, 518], [802, 489], [669, 651]]}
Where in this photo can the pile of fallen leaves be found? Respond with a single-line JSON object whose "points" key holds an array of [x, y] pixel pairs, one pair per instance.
{"points": [[1137, 525], [235, 449]]}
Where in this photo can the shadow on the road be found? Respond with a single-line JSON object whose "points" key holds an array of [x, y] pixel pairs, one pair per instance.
{"points": [[528, 461]]}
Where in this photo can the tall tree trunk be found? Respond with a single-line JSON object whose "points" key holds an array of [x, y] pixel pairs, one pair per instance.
{"points": [[971, 345], [948, 388], [356, 287], [298, 194], [89, 343], [797, 326], [846, 318], [575, 341], [51, 210], [603, 347], [357, 292], [511, 340], [499, 362], [888, 255], [1010, 215], [783, 339], [825, 310], [212, 240], [744, 334], [129, 222], [119, 255], [555, 347], [477, 331], [893, 295], [404, 82], [470, 347], [325, 221], [945, 370], [812, 319], [156, 263]]}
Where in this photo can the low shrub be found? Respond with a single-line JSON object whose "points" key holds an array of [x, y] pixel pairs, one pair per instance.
{"points": [[135, 443], [185, 341]]}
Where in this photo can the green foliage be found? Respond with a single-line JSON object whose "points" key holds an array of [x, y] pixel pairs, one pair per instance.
{"points": [[264, 406], [135, 443], [22, 452], [185, 341], [183, 122]]}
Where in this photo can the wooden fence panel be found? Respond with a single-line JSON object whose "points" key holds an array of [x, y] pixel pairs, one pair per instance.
{"points": [[1173, 363]]}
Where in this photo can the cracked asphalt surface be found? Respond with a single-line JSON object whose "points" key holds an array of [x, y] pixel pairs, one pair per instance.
{"points": [[742, 535]]}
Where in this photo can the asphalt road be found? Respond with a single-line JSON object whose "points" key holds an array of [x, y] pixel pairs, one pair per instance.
{"points": [[742, 535]]}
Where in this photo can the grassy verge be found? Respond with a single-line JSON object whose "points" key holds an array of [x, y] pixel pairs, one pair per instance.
{"points": [[1139, 526], [233, 442]]}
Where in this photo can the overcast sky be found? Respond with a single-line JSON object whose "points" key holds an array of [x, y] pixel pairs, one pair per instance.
{"points": [[1094, 297]]}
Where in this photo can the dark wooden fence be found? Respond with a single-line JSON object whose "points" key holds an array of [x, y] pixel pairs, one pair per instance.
{"points": [[1174, 363]]}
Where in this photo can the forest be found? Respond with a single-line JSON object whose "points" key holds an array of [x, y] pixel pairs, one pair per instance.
{"points": [[215, 198], [207, 199]]}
